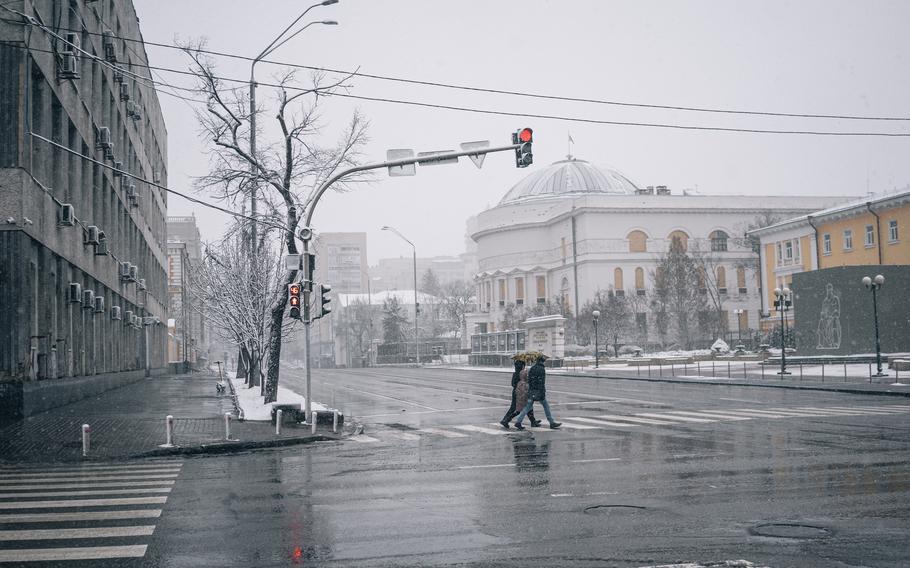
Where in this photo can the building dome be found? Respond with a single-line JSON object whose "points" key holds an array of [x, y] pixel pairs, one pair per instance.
{"points": [[569, 177]]}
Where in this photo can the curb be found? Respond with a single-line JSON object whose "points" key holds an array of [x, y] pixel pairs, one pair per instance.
{"points": [[234, 447]]}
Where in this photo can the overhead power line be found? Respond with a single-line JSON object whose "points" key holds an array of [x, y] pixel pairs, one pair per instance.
{"points": [[563, 98]]}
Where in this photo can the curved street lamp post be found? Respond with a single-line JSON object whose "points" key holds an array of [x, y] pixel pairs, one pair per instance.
{"points": [[782, 303], [875, 284], [416, 305]]}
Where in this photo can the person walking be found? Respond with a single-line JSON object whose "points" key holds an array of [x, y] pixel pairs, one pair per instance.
{"points": [[519, 394], [537, 391]]}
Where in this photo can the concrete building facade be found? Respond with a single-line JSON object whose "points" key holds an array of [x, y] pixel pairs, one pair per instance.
{"points": [[83, 280]]}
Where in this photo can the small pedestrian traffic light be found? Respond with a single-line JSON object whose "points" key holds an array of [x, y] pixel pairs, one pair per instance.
{"points": [[322, 302], [523, 155], [294, 300]]}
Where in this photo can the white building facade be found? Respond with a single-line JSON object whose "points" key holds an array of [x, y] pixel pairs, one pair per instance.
{"points": [[571, 229]]}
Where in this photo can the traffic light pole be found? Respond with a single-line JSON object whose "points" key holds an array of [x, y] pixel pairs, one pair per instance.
{"points": [[312, 208]]}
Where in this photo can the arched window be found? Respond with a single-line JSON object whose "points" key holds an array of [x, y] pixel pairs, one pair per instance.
{"points": [[617, 281], [718, 241], [541, 290], [638, 241], [721, 280], [640, 281], [679, 241], [741, 280], [564, 292]]}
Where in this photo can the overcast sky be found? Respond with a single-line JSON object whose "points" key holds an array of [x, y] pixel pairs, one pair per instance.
{"points": [[824, 57]]}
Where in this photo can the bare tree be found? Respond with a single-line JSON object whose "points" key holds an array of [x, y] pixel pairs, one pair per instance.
{"points": [[286, 170], [457, 301], [676, 299], [712, 284], [356, 322], [614, 323]]}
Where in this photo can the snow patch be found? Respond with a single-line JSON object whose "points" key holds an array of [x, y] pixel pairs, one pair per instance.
{"points": [[250, 401]]}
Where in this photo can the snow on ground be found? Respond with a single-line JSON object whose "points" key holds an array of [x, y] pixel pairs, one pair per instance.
{"points": [[251, 402]]}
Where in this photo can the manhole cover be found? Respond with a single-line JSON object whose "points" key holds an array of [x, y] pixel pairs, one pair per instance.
{"points": [[612, 509], [790, 530]]}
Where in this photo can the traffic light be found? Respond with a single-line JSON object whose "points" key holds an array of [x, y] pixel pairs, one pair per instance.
{"points": [[322, 300], [294, 299], [309, 269], [523, 156]]}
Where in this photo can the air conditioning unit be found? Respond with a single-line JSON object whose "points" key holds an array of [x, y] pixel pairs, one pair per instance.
{"points": [[134, 273], [104, 137], [91, 235], [118, 168], [124, 271], [149, 320], [69, 66], [109, 153], [142, 283], [115, 312], [88, 299], [107, 43], [124, 92], [137, 322], [101, 247], [128, 317], [125, 181], [118, 75], [67, 216], [75, 296], [130, 108], [156, 176], [99, 304], [72, 43]]}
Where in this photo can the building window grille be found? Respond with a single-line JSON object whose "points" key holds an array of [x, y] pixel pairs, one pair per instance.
{"points": [[719, 241]]}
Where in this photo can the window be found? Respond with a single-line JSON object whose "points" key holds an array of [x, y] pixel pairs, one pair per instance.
{"points": [[741, 280], [780, 254], [848, 239], [640, 280], [541, 290], [502, 292], [638, 241], [826, 244], [718, 241], [788, 251], [617, 279], [519, 291], [870, 236], [679, 241], [721, 280], [892, 231]]}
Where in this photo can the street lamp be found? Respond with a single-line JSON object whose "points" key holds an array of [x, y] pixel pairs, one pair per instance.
{"points": [[875, 284], [782, 303], [739, 326], [416, 305], [265, 52], [596, 314]]}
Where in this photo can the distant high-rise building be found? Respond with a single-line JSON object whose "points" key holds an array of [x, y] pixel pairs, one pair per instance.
{"points": [[342, 261]]}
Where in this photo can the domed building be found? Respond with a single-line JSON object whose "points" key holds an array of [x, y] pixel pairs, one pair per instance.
{"points": [[571, 229]]}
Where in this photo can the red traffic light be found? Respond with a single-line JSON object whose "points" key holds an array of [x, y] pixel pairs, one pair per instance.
{"points": [[295, 301], [525, 135], [294, 289]]}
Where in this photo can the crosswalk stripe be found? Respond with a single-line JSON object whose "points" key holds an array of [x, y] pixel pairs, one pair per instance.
{"points": [[91, 469], [4, 495], [667, 416], [363, 439], [566, 424], [603, 422], [88, 485], [481, 429], [872, 409], [797, 413], [710, 414], [830, 412], [94, 532], [80, 516], [82, 503], [33, 479], [404, 435], [83, 553], [105, 475], [634, 419], [770, 414], [444, 433]]}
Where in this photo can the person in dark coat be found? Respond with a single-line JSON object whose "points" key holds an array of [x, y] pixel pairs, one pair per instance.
{"points": [[512, 411], [537, 379]]}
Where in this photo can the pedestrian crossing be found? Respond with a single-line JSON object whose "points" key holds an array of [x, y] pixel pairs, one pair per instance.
{"points": [[81, 512], [664, 418]]}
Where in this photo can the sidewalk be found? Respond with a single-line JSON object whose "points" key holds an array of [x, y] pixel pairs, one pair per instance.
{"points": [[129, 422]]}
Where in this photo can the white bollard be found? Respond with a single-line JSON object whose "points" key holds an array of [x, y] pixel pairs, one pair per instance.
{"points": [[278, 414], [227, 425], [169, 429], [86, 441], [334, 421], [313, 417]]}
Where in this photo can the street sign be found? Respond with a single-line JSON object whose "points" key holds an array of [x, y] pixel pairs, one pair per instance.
{"points": [[435, 161], [292, 262], [401, 154], [476, 158]]}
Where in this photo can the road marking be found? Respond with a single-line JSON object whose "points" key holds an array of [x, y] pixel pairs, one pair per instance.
{"points": [[4, 495], [82, 503], [636, 420], [362, 439], [445, 433], [486, 466], [569, 426], [872, 409], [94, 468], [360, 391], [793, 413], [758, 413], [34, 479], [603, 422], [829, 412], [96, 532], [667, 416], [89, 485], [403, 435], [100, 476], [86, 553], [709, 414], [741, 400], [481, 429], [82, 516], [597, 460]]}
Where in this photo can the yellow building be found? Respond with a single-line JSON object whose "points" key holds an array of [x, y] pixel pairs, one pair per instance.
{"points": [[872, 231]]}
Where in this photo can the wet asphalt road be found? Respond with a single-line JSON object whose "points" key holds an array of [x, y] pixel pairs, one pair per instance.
{"points": [[641, 474]]}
